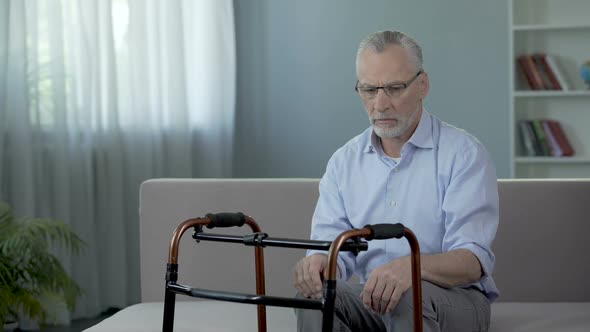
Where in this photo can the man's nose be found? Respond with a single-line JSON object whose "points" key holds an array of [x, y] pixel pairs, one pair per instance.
{"points": [[382, 101]]}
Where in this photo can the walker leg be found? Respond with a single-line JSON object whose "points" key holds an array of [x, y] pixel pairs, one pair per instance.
{"points": [[328, 310], [169, 302]]}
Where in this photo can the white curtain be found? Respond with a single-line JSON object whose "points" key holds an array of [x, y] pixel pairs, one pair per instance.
{"points": [[97, 96]]}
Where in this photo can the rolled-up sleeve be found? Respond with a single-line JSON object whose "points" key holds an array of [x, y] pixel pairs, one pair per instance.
{"points": [[471, 207]]}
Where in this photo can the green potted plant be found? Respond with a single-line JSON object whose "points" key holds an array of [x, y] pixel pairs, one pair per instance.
{"points": [[29, 271]]}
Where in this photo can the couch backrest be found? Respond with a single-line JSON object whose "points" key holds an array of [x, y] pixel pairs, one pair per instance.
{"points": [[541, 247], [282, 208]]}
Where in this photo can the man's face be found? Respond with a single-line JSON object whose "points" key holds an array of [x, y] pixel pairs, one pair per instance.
{"points": [[397, 116]]}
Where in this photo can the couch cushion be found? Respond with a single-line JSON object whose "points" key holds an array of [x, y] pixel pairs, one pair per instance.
{"points": [[540, 317], [197, 316], [215, 316]]}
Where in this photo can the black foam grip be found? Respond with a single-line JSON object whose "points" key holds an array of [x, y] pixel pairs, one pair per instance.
{"points": [[385, 231], [226, 219]]}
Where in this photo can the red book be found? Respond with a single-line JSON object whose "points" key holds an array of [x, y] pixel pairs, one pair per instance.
{"points": [[559, 134], [530, 72], [555, 148], [542, 59]]}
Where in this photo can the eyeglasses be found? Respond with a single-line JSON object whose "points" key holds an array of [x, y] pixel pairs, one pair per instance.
{"points": [[393, 90]]}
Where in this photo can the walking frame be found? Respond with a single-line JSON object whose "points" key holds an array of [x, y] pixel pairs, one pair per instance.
{"points": [[348, 241]]}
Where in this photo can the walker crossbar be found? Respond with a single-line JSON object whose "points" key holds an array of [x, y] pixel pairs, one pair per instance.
{"points": [[346, 241], [350, 245], [274, 301]]}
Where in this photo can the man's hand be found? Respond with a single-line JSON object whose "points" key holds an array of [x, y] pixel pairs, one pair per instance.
{"points": [[387, 284], [309, 273]]}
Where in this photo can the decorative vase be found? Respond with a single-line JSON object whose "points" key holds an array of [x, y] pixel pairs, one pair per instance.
{"points": [[585, 73]]}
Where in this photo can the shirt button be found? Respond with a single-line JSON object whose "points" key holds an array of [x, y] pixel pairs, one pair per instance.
{"points": [[393, 203], [395, 170]]}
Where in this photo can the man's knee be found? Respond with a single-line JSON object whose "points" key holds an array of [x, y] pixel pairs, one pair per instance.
{"points": [[443, 310], [350, 314], [405, 307]]}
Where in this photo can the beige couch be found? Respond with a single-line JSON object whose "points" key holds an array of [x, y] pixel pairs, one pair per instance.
{"points": [[541, 249]]}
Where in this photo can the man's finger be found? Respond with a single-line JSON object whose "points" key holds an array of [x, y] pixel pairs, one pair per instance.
{"points": [[307, 282], [302, 287], [298, 276], [368, 291], [315, 270], [394, 300], [386, 297], [377, 296]]}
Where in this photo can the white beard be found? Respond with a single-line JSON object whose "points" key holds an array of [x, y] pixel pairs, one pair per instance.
{"points": [[402, 126]]}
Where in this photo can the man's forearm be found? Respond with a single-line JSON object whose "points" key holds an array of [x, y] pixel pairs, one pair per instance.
{"points": [[454, 268]]}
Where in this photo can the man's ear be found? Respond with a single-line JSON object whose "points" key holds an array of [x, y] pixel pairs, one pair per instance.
{"points": [[424, 85]]}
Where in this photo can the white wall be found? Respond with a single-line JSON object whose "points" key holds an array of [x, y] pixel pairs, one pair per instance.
{"points": [[296, 103]]}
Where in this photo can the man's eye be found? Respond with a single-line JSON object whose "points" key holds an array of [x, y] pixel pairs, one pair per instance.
{"points": [[394, 89]]}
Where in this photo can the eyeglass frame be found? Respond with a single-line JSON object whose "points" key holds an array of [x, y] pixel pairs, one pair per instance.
{"points": [[402, 85]]}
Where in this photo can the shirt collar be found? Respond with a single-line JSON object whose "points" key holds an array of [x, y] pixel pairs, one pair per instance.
{"points": [[421, 138], [372, 143]]}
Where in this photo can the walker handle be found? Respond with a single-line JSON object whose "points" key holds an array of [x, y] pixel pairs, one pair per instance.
{"points": [[226, 219], [385, 231]]}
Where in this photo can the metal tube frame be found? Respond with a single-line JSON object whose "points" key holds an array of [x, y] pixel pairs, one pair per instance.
{"points": [[326, 305], [330, 284], [172, 272]]}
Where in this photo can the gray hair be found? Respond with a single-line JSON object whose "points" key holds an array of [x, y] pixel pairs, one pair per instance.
{"points": [[378, 42]]}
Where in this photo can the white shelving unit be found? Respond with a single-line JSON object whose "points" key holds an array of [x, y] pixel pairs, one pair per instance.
{"points": [[560, 28]]}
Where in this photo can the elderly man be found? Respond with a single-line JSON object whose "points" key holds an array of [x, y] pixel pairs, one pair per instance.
{"points": [[408, 167]]}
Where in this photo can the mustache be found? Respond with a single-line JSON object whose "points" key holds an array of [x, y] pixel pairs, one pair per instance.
{"points": [[382, 116]]}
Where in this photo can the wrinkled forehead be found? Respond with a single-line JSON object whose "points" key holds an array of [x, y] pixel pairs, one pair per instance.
{"points": [[391, 65]]}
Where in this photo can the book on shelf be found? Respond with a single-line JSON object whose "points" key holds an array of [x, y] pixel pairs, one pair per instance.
{"points": [[560, 137], [541, 137], [550, 82], [555, 148], [527, 139], [542, 72], [533, 78], [548, 73], [544, 138], [531, 144], [535, 138], [554, 68]]}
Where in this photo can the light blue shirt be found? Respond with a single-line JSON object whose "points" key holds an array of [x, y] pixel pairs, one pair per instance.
{"points": [[444, 189]]}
